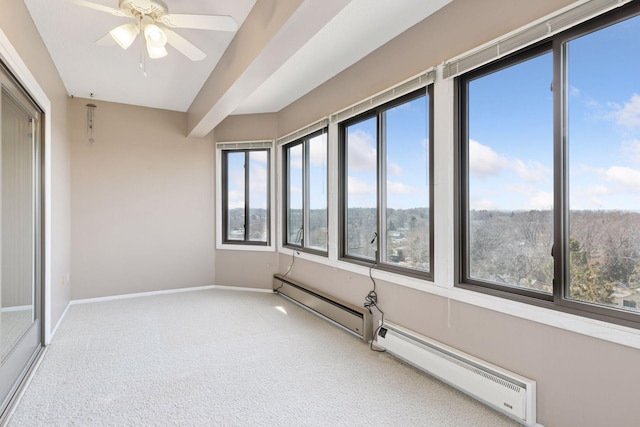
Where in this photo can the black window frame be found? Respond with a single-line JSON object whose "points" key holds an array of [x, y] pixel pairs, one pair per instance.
{"points": [[558, 300], [304, 142], [247, 206], [380, 182]]}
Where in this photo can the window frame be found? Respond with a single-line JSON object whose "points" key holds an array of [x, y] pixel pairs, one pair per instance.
{"points": [[463, 168], [304, 142], [381, 174], [559, 299], [224, 168]]}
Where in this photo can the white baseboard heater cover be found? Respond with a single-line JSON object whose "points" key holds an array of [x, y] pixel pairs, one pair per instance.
{"points": [[355, 319], [503, 390]]}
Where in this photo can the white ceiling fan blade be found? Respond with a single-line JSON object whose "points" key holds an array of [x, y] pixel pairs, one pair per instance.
{"points": [[106, 41], [96, 6], [201, 22], [184, 46]]}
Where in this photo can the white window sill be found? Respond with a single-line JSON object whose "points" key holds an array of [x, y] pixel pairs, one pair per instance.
{"points": [[241, 247]]}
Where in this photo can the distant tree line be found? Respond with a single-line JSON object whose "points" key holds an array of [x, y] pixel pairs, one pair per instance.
{"points": [[514, 248]]}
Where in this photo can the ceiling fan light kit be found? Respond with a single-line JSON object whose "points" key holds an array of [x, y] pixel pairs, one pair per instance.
{"points": [[152, 19], [125, 35], [155, 40]]}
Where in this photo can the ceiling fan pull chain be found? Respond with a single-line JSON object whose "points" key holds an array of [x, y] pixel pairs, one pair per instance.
{"points": [[143, 57]]}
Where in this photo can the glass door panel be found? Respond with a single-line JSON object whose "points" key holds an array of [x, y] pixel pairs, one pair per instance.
{"points": [[20, 326]]}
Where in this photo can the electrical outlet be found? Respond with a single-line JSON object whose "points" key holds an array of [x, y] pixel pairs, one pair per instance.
{"points": [[63, 280]]}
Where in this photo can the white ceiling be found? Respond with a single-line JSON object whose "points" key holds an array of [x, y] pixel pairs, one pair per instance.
{"points": [[113, 74]]}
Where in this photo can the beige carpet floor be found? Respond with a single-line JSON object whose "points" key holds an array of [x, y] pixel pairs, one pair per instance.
{"points": [[228, 358]]}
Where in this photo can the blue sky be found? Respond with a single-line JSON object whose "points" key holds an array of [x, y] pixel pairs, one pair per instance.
{"points": [[511, 128], [317, 173], [258, 179], [407, 156]]}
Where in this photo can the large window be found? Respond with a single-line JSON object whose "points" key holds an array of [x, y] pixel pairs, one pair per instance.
{"points": [[305, 192], [245, 196], [386, 203], [550, 171], [508, 160]]}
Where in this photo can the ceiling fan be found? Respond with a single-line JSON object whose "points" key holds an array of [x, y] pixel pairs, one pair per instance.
{"points": [[153, 20]]}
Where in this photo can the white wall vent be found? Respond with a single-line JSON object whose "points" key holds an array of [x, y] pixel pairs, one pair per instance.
{"points": [[505, 391]]}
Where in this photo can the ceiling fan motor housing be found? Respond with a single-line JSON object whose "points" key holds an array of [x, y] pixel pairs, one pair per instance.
{"points": [[156, 9]]}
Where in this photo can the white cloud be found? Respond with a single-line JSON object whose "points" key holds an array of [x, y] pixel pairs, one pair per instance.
{"points": [[258, 156], [536, 198], [598, 190], [361, 194], [628, 115], [394, 169], [482, 204], [318, 152], [540, 200], [235, 199], [484, 162], [616, 190], [295, 157], [258, 173], [236, 178], [362, 151], [589, 198], [627, 179], [357, 186], [631, 149], [532, 172], [258, 181], [400, 188]]}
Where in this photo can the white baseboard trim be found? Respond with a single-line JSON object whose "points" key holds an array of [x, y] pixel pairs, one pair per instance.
{"points": [[242, 289], [167, 291], [58, 323], [16, 308]]}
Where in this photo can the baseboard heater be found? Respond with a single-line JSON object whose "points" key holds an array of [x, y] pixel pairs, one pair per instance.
{"points": [[355, 319], [503, 390]]}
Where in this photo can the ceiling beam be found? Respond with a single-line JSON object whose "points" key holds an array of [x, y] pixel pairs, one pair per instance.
{"points": [[273, 31]]}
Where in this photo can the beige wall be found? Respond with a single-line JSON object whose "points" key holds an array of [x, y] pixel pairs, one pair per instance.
{"points": [[249, 127], [17, 25], [142, 202], [582, 381], [258, 268]]}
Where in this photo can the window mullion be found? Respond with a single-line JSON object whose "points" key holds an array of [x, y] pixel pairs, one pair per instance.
{"points": [[225, 195], [560, 198], [305, 192], [247, 207], [382, 188]]}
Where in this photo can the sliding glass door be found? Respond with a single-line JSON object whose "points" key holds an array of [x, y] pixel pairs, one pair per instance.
{"points": [[20, 230]]}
